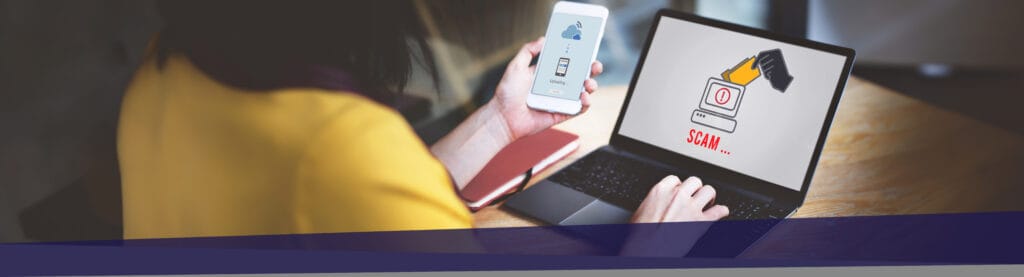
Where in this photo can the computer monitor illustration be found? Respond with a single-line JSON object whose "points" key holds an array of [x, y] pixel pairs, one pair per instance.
{"points": [[719, 105]]}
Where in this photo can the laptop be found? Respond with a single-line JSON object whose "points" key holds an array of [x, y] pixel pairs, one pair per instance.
{"points": [[744, 109]]}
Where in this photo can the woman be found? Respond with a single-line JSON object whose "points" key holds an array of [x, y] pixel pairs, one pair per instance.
{"points": [[252, 118]]}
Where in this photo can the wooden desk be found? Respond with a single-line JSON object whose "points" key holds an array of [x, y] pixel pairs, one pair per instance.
{"points": [[886, 154]]}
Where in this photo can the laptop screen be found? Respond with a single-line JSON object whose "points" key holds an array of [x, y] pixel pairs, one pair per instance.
{"points": [[752, 105]]}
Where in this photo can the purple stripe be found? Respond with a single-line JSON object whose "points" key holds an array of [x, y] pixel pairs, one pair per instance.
{"points": [[975, 238]]}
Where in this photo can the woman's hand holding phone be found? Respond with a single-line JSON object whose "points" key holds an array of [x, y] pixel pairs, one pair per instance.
{"points": [[510, 96], [510, 115], [574, 37]]}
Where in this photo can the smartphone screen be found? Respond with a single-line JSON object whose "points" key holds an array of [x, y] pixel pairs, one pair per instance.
{"points": [[565, 60]]}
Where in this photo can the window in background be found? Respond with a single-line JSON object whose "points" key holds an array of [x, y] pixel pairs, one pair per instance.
{"points": [[957, 54], [752, 13]]}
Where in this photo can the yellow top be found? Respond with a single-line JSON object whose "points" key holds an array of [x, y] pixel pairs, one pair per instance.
{"points": [[199, 158]]}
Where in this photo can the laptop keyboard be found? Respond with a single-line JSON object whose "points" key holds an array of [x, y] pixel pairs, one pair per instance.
{"points": [[746, 208], [613, 178], [624, 182]]}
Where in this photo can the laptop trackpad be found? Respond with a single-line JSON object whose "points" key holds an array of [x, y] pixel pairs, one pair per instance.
{"points": [[598, 212], [549, 201]]}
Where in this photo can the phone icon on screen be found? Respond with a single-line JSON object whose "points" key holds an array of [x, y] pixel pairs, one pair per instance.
{"points": [[563, 66]]}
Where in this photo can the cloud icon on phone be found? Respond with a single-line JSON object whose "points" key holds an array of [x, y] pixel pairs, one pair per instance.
{"points": [[572, 32]]}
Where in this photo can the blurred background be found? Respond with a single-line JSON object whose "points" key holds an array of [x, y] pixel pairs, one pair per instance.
{"points": [[64, 66]]}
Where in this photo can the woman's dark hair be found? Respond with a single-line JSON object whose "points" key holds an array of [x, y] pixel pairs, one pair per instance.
{"points": [[361, 46]]}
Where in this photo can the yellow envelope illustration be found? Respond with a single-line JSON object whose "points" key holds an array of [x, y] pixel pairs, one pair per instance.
{"points": [[742, 74]]}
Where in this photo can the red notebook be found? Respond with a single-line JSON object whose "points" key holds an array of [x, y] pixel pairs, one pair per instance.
{"points": [[508, 168]]}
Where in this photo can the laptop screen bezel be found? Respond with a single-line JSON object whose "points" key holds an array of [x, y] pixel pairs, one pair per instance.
{"points": [[713, 173]]}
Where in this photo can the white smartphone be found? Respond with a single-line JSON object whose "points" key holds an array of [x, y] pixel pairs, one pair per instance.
{"points": [[573, 36]]}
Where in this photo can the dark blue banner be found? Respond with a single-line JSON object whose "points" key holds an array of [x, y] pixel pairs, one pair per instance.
{"points": [[978, 238]]}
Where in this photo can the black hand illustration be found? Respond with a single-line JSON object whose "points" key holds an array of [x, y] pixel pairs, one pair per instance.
{"points": [[773, 67]]}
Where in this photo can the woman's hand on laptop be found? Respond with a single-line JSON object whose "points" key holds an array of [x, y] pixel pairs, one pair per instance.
{"points": [[672, 200]]}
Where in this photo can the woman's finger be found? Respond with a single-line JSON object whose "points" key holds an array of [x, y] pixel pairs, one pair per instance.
{"points": [[661, 196], [590, 85], [678, 209], [690, 186], [585, 101], [703, 197], [665, 187], [537, 45], [526, 54], [596, 68], [716, 212]]}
